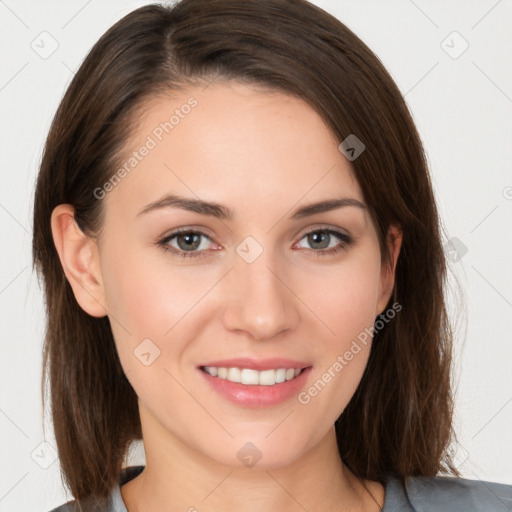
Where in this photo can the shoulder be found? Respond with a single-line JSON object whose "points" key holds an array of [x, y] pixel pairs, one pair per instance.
{"points": [[112, 503], [88, 505], [449, 494]]}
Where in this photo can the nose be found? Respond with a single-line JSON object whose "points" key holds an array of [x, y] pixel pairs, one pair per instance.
{"points": [[260, 302]]}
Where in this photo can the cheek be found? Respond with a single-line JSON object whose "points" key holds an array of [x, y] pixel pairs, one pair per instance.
{"points": [[143, 294], [137, 308], [153, 300], [132, 298], [346, 299], [345, 296]]}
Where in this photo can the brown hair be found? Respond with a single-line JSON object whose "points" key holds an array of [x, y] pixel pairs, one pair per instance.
{"points": [[399, 422]]}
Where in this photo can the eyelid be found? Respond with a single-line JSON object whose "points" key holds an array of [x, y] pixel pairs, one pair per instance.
{"points": [[326, 227], [203, 230]]}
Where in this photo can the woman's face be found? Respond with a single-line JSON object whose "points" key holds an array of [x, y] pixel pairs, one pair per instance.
{"points": [[272, 285]]}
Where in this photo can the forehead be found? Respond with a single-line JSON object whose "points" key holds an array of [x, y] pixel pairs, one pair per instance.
{"points": [[232, 143]]}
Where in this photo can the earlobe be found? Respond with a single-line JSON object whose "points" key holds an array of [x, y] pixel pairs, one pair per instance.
{"points": [[78, 254], [394, 241]]}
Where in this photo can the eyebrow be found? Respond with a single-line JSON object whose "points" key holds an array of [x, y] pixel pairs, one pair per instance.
{"points": [[222, 212]]}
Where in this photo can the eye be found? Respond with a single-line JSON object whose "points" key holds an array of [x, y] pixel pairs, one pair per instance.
{"points": [[186, 243], [323, 241]]}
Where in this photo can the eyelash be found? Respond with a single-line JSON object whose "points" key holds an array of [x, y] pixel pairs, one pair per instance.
{"points": [[345, 242]]}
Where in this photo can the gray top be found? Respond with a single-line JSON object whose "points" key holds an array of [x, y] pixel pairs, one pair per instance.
{"points": [[417, 494]]}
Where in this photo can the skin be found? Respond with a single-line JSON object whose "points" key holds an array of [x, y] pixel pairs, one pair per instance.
{"points": [[262, 154]]}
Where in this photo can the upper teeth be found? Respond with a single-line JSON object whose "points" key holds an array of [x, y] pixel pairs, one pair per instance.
{"points": [[254, 377]]}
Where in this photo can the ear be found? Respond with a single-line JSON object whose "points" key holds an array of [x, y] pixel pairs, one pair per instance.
{"points": [[387, 277], [79, 257]]}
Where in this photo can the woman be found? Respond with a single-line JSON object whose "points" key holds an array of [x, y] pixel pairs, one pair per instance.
{"points": [[243, 267]]}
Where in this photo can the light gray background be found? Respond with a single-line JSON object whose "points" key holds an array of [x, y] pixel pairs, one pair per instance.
{"points": [[462, 105]]}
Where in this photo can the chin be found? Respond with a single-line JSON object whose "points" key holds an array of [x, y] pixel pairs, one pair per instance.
{"points": [[258, 453]]}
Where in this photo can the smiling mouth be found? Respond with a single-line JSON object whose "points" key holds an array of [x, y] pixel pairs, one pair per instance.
{"points": [[251, 377]]}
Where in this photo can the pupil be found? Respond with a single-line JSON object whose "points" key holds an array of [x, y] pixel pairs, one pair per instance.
{"points": [[192, 241], [319, 237]]}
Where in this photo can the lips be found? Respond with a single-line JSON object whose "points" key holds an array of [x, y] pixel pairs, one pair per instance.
{"points": [[256, 383]]}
